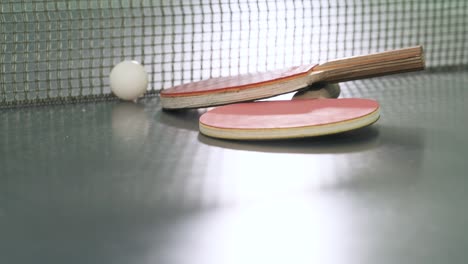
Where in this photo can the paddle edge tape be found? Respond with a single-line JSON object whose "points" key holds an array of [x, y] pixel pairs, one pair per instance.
{"points": [[295, 132]]}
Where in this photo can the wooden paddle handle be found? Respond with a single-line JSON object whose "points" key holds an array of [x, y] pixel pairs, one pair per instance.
{"points": [[378, 64]]}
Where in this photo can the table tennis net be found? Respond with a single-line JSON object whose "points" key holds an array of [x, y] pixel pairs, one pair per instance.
{"points": [[63, 51]]}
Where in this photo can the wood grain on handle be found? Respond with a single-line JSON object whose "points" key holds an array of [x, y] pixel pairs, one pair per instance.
{"points": [[378, 64]]}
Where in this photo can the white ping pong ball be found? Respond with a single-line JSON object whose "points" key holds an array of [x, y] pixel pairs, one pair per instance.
{"points": [[128, 80]]}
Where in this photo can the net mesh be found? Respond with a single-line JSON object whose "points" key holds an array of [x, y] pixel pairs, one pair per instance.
{"points": [[64, 50]]}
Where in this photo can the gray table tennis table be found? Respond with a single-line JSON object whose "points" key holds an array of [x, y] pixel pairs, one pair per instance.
{"points": [[116, 182]]}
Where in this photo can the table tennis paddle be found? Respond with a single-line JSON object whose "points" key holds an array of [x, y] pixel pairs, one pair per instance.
{"points": [[249, 87], [265, 120]]}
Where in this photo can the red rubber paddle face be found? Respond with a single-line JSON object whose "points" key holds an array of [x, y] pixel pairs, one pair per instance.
{"points": [[285, 119], [235, 83], [287, 114]]}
